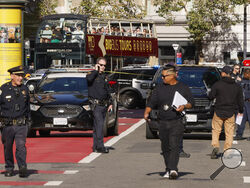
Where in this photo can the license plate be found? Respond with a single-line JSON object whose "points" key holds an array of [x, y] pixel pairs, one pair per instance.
{"points": [[60, 121], [191, 117]]}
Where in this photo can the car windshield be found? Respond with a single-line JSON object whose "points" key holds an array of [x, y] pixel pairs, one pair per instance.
{"points": [[64, 85], [196, 77]]}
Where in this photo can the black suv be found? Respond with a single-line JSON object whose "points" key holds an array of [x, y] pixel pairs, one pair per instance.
{"points": [[199, 79], [129, 83], [60, 102]]}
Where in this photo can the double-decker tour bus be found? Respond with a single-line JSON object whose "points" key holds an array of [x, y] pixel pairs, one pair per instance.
{"points": [[73, 40]]}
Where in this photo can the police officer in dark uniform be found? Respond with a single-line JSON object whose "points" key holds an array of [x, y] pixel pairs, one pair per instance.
{"points": [[170, 119], [15, 112], [99, 97]]}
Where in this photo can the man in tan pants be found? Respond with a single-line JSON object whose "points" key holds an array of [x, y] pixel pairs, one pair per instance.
{"points": [[229, 101]]}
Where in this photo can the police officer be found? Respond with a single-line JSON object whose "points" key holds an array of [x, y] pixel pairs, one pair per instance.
{"points": [[99, 97], [245, 83], [171, 126], [15, 112]]}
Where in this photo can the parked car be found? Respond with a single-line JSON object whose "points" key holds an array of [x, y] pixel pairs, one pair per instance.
{"points": [[129, 83], [200, 80], [60, 102]]}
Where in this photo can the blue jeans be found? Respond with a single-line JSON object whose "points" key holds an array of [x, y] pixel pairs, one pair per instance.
{"points": [[246, 117]]}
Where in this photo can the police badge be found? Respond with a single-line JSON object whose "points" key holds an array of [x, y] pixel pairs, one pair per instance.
{"points": [[165, 107]]}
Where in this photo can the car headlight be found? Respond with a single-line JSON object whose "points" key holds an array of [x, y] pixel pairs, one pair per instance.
{"points": [[34, 107], [86, 107]]}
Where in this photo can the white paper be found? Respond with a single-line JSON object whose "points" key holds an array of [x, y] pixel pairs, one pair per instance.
{"points": [[178, 100], [239, 119]]}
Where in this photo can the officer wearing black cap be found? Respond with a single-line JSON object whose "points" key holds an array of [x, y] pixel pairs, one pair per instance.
{"points": [[14, 115], [228, 97]]}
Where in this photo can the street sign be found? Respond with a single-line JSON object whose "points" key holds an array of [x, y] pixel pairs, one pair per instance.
{"points": [[178, 58], [175, 46]]}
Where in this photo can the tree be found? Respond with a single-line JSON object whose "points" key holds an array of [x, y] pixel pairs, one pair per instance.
{"points": [[205, 18], [47, 7], [126, 9]]}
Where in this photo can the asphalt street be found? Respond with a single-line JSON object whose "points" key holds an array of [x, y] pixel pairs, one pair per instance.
{"points": [[136, 162]]}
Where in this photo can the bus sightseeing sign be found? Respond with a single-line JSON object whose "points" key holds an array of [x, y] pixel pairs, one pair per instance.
{"points": [[101, 45]]}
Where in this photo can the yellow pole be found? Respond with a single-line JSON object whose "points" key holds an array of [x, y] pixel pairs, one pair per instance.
{"points": [[11, 36]]}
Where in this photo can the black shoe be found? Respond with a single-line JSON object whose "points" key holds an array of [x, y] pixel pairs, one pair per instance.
{"points": [[9, 173], [183, 154], [23, 172], [102, 150], [237, 137], [215, 153]]}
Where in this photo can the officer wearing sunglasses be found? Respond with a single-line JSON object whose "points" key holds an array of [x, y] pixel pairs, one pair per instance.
{"points": [[14, 116], [100, 100]]}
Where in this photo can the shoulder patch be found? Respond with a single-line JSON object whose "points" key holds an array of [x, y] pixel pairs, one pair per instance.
{"points": [[0, 92]]}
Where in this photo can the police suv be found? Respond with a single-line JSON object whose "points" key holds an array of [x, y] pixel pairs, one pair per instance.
{"points": [[200, 80], [129, 83], [60, 103]]}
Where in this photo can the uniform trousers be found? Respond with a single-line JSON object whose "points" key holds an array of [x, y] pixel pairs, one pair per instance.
{"points": [[9, 135], [229, 124], [171, 133], [99, 113], [246, 117]]}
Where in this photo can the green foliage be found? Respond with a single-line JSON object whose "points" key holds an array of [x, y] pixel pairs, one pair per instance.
{"points": [[47, 7], [110, 9], [204, 17]]}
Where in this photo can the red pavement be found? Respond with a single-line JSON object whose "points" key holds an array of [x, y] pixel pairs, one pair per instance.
{"points": [[60, 147]]}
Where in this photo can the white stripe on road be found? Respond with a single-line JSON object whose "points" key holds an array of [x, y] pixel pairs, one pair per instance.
{"points": [[246, 179], [70, 171], [243, 163], [53, 183], [90, 158], [112, 141]]}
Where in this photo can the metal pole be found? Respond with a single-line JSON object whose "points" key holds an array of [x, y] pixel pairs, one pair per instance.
{"points": [[245, 33]]}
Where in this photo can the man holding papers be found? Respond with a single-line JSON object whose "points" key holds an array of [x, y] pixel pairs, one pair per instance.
{"points": [[229, 98], [170, 115]]}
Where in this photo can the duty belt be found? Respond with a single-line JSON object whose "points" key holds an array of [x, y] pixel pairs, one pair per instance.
{"points": [[13, 121], [98, 102]]}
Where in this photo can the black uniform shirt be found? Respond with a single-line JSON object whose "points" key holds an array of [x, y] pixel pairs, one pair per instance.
{"points": [[162, 98], [245, 83], [14, 101], [97, 86]]}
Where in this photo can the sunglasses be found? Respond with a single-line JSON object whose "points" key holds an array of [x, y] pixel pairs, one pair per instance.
{"points": [[102, 65]]}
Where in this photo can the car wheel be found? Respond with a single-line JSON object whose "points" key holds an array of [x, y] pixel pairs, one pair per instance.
{"points": [[149, 133], [129, 99], [44, 133], [31, 133]]}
